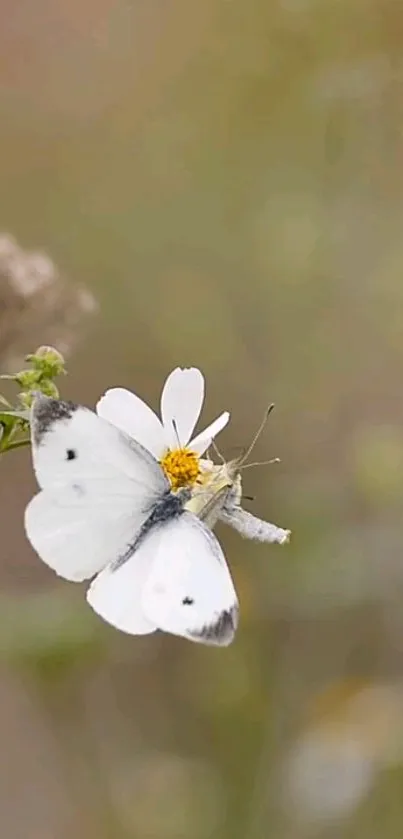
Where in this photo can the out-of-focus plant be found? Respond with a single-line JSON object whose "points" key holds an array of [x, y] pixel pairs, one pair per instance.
{"points": [[46, 364], [36, 304]]}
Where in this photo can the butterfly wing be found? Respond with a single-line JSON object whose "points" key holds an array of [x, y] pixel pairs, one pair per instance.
{"points": [[189, 591], [185, 585], [98, 487], [116, 593]]}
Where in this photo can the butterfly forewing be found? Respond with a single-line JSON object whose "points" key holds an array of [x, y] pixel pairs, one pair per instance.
{"points": [[70, 441], [98, 488]]}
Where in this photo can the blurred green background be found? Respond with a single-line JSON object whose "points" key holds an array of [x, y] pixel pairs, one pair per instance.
{"points": [[226, 177]]}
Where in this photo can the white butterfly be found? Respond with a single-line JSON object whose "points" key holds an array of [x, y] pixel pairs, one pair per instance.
{"points": [[106, 509]]}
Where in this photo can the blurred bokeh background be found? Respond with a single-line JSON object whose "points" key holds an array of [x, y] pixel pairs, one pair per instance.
{"points": [[225, 178]]}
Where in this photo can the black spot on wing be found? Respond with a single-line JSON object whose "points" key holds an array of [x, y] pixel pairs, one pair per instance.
{"points": [[71, 454], [221, 632], [46, 412], [187, 601]]}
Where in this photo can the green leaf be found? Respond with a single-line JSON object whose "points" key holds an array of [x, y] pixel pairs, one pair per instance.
{"points": [[15, 444], [11, 424], [18, 415], [7, 422]]}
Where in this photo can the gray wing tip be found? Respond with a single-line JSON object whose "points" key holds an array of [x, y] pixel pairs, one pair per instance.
{"points": [[222, 632], [45, 411]]}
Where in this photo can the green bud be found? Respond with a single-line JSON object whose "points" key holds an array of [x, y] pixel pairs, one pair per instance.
{"points": [[26, 399], [46, 387], [48, 361], [49, 389], [28, 379]]}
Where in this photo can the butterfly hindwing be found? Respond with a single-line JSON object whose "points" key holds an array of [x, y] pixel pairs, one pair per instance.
{"points": [[116, 594], [186, 587], [189, 590]]}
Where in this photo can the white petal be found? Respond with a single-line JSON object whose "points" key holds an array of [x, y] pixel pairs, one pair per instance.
{"points": [[181, 403], [201, 443], [129, 413]]}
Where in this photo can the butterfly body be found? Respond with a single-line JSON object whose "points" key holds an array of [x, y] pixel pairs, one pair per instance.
{"points": [[167, 508], [219, 497], [220, 483]]}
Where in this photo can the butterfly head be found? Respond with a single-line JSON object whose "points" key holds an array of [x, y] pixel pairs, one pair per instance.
{"points": [[216, 481]]}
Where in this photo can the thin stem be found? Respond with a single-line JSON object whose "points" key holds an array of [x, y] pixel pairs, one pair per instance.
{"points": [[16, 444]]}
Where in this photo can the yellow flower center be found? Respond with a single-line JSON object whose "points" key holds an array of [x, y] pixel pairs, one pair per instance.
{"points": [[181, 466]]}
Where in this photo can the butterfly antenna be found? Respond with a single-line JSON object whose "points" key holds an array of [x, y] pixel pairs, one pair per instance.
{"points": [[217, 451], [262, 463], [257, 435]]}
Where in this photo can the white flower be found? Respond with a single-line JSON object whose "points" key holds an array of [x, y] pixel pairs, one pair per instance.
{"points": [[168, 438]]}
